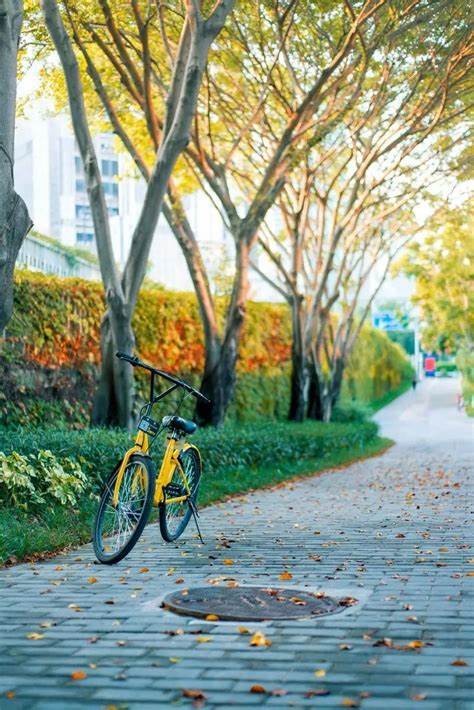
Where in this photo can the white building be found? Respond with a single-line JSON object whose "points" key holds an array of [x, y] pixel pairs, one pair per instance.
{"points": [[50, 178]]}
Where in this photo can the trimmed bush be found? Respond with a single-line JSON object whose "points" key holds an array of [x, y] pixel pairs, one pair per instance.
{"points": [[48, 363], [224, 450]]}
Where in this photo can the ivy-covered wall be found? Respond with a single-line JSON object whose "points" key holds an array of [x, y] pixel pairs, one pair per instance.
{"points": [[49, 359]]}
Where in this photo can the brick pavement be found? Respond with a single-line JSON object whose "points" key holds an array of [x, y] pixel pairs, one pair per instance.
{"points": [[391, 531]]}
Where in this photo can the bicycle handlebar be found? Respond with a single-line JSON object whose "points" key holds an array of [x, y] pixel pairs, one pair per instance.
{"points": [[136, 362]]}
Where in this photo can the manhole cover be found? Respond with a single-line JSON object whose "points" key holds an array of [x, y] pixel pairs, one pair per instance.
{"points": [[250, 603]]}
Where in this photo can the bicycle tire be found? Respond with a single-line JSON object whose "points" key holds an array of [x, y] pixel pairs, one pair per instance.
{"points": [[187, 458], [97, 536]]}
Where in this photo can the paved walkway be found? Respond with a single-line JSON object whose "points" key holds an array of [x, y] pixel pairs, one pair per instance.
{"points": [[392, 532]]}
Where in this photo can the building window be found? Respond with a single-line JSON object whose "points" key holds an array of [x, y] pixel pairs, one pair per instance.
{"points": [[109, 168], [84, 237], [113, 211], [111, 188], [83, 212], [80, 185], [78, 164]]}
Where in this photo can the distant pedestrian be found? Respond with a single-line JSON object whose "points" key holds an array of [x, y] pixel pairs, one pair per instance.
{"points": [[414, 382]]}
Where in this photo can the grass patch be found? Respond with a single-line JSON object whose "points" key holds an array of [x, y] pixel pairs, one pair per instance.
{"points": [[389, 397], [249, 461]]}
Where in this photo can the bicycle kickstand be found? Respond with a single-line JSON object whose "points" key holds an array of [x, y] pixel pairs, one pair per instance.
{"points": [[195, 513]]}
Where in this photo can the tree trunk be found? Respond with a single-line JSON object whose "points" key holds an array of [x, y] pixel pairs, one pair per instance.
{"points": [[315, 406], [15, 222], [299, 369], [219, 379], [336, 382], [113, 405]]}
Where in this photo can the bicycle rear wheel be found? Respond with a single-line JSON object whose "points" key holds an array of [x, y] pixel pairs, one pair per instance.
{"points": [[174, 517], [117, 528]]}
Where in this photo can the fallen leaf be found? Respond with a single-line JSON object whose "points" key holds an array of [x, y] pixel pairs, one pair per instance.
{"points": [[348, 601], [180, 580], [258, 639], [10, 694], [286, 575], [78, 675], [174, 660], [320, 673], [350, 703], [459, 662], [203, 639], [414, 644], [92, 580], [418, 696], [34, 636], [384, 642], [194, 694], [345, 646], [278, 692], [212, 617], [142, 570], [242, 630], [258, 689], [228, 562], [317, 692]]}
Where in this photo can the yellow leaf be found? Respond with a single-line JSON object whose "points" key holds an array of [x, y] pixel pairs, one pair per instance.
{"points": [[259, 639], [212, 617], [33, 636], [242, 630], [320, 673], [415, 644], [228, 562], [142, 570], [203, 639], [286, 575], [92, 580]]}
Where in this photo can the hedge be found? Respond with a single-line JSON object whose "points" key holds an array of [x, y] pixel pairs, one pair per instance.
{"points": [[49, 359], [226, 449]]}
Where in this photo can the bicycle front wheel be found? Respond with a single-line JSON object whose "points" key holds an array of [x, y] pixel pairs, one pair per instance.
{"points": [[175, 510], [117, 528]]}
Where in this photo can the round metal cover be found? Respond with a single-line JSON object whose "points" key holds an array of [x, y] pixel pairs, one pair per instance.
{"points": [[250, 603]]}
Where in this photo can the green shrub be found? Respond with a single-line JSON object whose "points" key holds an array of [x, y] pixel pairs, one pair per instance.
{"points": [[354, 411], [444, 368], [35, 480], [224, 450], [465, 363]]}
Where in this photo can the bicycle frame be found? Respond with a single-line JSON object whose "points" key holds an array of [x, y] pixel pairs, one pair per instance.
{"points": [[168, 466]]}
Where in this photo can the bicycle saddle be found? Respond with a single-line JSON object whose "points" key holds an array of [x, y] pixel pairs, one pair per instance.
{"points": [[184, 425]]}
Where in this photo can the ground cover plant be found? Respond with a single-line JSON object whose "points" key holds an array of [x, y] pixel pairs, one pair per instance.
{"points": [[236, 459]]}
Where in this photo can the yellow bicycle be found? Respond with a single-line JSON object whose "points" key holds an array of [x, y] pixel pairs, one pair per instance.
{"points": [[133, 488]]}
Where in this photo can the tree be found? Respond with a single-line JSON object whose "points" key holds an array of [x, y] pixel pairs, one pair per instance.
{"points": [[171, 132], [442, 267], [344, 212], [285, 63], [15, 222]]}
